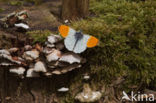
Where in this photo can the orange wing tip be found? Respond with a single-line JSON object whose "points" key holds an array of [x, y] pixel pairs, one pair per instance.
{"points": [[64, 30], [92, 42]]}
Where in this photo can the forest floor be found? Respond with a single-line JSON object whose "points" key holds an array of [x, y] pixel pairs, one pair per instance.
{"points": [[124, 60], [41, 17]]}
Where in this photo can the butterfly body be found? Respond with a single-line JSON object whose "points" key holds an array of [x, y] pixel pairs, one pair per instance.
{"points": [[76, 41]]}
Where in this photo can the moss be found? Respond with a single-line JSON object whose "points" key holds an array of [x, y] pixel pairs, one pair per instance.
{"points": [[39, 36], [20, 2], [1, 9], [126, 31], [16, 3]]}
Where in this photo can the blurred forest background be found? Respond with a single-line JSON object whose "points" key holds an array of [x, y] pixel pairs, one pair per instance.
{"points": [[124, 60]]}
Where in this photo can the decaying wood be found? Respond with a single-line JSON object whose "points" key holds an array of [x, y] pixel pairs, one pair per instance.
{"points": [[11, 19]]}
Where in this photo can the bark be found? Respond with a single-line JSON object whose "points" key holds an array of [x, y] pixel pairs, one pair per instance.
{"points": [[73, 9]]}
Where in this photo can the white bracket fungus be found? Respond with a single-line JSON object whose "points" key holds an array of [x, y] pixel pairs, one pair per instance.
{"points": [[22, 25], [30, 73], [40, 67], [44, 59], [70, 58], [54, 55], [19, 71], [54, 39], [63, 89], [31, 55]]}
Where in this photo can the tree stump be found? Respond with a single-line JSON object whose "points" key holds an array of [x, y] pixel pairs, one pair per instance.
{"points": [[73, 9]]}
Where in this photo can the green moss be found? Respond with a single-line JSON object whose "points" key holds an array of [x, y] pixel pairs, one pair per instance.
{"points": [[16, 3], [1, 9], [39, 36], [20, 2], [126, 31]]}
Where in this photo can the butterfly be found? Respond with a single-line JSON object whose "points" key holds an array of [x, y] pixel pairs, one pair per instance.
{"points": [[76, 41]]}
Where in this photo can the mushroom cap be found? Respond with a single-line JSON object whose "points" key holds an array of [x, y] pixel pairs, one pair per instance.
{"points": [[54, 38], [47, 50], [86, 77], [31, 55], [19, 70], [8, 58], [22, 25], [63, 89], [27, 47], [31, 73], [40, 67], [5, 64], [70, 58], [50, 45], [4, 51], [12, 50], [66, 69], [54, 56]]}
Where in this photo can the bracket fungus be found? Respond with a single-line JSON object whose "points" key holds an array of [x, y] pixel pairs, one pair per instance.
{"points": [[22, 25], [54, 55], [31, 55], [40, 67], [63, 89], [27, 47], [88, 95], [19, 70], [70, 58], [7, 59], [54, 39], [86, 77], [40, 60], [13, 50], [11, 19], [31, 73]]}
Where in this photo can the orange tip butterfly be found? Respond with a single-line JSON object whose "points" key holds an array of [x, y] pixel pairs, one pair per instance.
{"points": [[76, 41]]}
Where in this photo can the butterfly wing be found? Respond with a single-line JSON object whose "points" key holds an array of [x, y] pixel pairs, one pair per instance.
{"points": [[74, 44], [92, 42], [86, 41], [69, 42], [81, 44], [66, 31]]}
